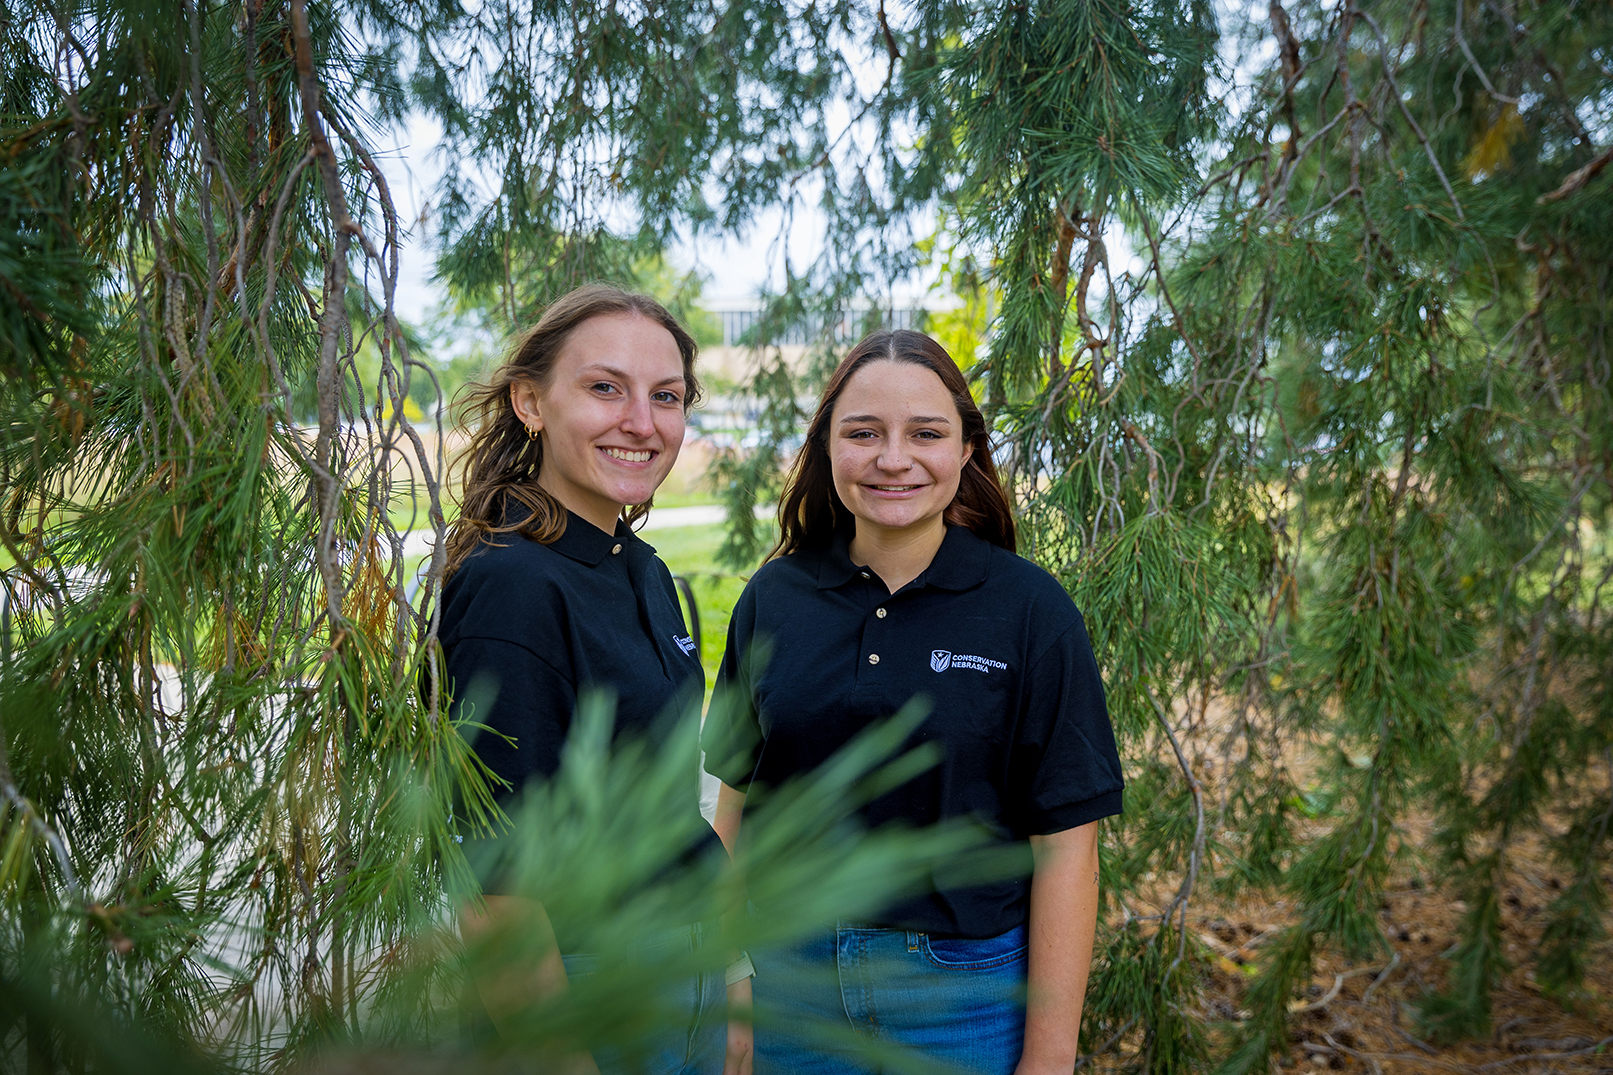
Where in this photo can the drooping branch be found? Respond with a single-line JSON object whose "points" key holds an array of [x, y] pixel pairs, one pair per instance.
{"points": [[333, 317]]}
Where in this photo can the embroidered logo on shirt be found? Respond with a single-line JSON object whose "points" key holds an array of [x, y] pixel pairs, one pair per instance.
{"points": [[941, 660], [685, 643]]}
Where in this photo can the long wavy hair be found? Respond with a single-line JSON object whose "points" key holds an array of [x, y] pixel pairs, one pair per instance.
{"points": [[502, 461], [811, 512]]}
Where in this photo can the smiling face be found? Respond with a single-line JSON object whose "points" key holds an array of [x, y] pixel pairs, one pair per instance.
{"points": [[896, 447], [611, 416]]}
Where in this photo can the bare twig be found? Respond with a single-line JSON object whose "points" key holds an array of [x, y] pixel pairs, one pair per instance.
{"points": [[1338, 983], [1394, 89], [1109, 1043], [1525, 1058], [1136, 436], [1461, 42], [1578, 178], [333, 314], [1184, 894], [1366, 997]]}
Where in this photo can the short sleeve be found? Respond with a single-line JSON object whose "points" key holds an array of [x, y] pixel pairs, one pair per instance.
{"points": [[732, 738], [1066, 768], [523, 702], [516, 710]]}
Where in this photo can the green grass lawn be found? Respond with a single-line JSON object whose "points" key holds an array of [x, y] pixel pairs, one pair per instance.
{"points": [[691, 551], [667, 498]]}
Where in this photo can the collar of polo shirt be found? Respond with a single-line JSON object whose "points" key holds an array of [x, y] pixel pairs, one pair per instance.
{"points": [[961, 563], [588, 544]]}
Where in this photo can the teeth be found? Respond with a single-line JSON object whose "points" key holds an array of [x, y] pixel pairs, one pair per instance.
{"points": [[895, 488], [627, 456]]}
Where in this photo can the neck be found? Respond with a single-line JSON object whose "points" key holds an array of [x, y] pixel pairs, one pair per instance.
{"points": [[897, 556], [602, 514]]}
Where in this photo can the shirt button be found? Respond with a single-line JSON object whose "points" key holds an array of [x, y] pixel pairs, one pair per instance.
{"points": [[873, 658], [880, 613], [614, 549]]}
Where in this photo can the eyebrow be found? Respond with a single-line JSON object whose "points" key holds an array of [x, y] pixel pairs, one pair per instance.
{"points": [[916, 420], [621, 375]]}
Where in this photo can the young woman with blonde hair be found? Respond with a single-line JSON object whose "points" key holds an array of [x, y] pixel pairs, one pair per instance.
{"points": [[550, 593]]}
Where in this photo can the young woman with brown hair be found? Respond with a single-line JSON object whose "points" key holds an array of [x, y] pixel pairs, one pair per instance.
{"points": [[895, 577], [550, 592]]}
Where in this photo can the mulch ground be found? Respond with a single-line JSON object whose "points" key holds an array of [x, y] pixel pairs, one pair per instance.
{"points": [[1360, 1017]]}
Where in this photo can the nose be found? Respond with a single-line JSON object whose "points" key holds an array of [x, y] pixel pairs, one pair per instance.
{"points": [[638, 420], [893, 456]]}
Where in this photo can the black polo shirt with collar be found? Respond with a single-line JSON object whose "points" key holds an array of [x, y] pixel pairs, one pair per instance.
{"points": [[994, 644], [526, 627]]}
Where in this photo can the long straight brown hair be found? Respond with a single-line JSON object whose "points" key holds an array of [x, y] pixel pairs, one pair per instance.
{"points": [[811, 512], [502, 461]]}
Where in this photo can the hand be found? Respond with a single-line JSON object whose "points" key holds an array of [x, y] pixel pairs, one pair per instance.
{"points": [[741, 1041]]}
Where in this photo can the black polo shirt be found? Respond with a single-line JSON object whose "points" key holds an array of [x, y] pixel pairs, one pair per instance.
{"points": [[997, 648], [526, 627]]}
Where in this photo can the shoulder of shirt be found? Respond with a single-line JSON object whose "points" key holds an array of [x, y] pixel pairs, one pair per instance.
{"points": [[770, 584], [1031, 583], [499, 553], [787, 570], [1055, 622], [504, 591], [658, 565]]}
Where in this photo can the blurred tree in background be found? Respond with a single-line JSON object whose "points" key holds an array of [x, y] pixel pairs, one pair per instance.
{"points": [[1293, 321]]}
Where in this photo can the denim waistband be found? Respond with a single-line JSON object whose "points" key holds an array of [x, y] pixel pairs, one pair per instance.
{"points": [[694, 934], [869, 927]]}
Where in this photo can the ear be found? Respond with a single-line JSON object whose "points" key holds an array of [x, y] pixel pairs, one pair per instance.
{"points": [[524, 401]]}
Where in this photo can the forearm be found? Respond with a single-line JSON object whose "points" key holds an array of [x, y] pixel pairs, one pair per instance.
{"points": [[1063, 921], [730, 808], [504, 933]]}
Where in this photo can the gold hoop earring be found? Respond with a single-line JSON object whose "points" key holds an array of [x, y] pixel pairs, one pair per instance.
{"points": [[531, 434]]}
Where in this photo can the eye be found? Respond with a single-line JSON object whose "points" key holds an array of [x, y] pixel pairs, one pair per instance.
{"points": [[667, 395], [602, 387], [861, 434], [929, 434]]}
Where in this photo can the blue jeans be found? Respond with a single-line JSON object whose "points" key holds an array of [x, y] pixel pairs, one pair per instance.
{"points": [[697, 1043], [831, 1005]]}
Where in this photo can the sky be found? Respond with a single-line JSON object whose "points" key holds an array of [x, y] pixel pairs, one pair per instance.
{"points": [[735, 267]]}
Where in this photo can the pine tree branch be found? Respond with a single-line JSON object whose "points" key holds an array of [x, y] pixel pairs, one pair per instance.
{"points": [[1164, 288], [42, 828], [1292, 68], [1059, 284]]}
